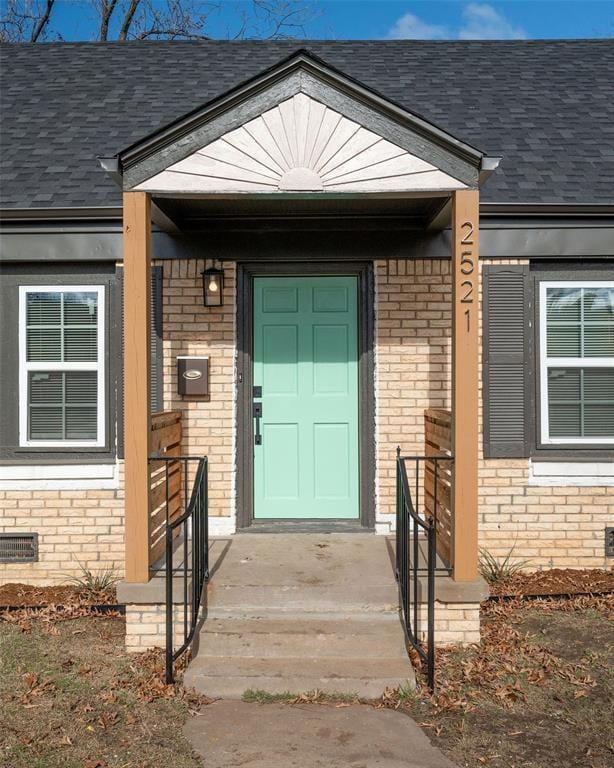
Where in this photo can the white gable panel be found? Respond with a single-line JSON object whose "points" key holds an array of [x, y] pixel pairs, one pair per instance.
{"points": [[300, 145], [194, 183], [431, 181]]}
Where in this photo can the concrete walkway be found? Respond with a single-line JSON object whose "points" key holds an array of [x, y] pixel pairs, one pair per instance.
{"points": [[229, 734]]}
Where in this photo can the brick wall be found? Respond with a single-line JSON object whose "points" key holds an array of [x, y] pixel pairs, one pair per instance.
{"points": [[75, 527], [146, 626], [192, 329], [550, 526], [561, 526], [412, 354]]}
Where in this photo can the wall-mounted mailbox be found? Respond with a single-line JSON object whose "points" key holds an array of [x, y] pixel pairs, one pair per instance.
{"points": [[193, 376]]}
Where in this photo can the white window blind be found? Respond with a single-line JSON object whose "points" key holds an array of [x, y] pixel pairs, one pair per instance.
{"points": [[577, 362], [62, 382]]}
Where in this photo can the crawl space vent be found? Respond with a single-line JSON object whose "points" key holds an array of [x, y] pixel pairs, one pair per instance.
{"points": [[18, 547]]}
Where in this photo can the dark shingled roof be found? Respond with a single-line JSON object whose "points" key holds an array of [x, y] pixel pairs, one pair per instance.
{"points": [[546, 106]]}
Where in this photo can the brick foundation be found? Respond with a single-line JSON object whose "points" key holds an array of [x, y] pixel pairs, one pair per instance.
{"points": [[146, 626], [455, 623]]}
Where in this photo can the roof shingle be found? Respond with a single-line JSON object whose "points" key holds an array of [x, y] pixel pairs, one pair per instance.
{"points": [[547, 107]]}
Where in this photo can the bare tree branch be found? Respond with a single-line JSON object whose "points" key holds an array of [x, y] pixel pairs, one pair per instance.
{"points": [[106, 9], [33, 20], [42, 22], [128, 18], [26, 21]]}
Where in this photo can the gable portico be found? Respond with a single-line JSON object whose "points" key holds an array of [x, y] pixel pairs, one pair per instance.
{"points": [[298, 133]]}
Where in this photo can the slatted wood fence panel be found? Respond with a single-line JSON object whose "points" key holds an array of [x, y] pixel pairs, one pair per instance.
{"points": [[438, 442], [165, 440]]}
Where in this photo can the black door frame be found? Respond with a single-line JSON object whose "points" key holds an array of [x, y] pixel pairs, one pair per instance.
{"points": [[246, 271]]}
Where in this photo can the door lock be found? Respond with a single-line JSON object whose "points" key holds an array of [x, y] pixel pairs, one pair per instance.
{"points": [[257, 411]]}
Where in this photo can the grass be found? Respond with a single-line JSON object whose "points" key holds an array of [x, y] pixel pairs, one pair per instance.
{"points": [[407, 693], [72, 698], [537, 692], [257, 696], [263, 697]]}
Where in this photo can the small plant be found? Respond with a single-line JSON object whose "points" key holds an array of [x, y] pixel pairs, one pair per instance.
{"points": [[407, 693], [494, 569], [94, 584]]}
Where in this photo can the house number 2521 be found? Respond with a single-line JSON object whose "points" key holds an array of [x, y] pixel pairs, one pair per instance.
{"points": [[467, 266]]}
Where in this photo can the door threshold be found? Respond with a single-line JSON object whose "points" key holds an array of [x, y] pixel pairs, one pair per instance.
{"points": [[320, 525]]}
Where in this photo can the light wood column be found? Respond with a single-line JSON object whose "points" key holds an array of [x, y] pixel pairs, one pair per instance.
{"points": [[465, 392], [137, 278]]}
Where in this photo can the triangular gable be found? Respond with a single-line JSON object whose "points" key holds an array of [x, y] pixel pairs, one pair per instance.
{"points": [[300, 128], [300, 145]]}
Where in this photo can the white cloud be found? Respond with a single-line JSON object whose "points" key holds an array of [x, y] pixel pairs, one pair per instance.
{"points": [[410, 27], [482, 22]]}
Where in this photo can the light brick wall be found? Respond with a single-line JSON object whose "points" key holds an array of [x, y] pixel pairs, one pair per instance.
{"points": [[73, 527], [550, 526], [455, 623], [146, 626], [192, 329], [412, 354]]}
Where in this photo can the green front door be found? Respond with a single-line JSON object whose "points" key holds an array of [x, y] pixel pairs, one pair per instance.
{"points": [[306, 364]]}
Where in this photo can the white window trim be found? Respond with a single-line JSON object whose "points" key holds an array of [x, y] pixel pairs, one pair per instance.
{"points": [[59, 477], [25, 367], [546, 362], [569, 474]]}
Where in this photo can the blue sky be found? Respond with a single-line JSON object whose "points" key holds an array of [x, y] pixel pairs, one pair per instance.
{"points": [[464, 20], [432, 19]]}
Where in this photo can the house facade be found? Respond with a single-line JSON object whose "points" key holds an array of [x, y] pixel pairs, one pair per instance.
{"points": [[413, 244]]}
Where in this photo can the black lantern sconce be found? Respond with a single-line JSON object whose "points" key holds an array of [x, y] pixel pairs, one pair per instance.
{"points": [[213, 287]]}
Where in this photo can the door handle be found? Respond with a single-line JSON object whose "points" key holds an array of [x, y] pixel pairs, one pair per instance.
{"points": [[257, 410]]}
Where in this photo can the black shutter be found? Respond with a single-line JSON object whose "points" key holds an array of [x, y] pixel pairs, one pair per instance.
{"points": [[156, 392], [506, 358], [155, 354]]}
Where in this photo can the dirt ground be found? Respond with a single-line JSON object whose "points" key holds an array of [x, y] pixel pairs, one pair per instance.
{"points": [[556, 581], [26, 595], [537, 693], [72, 698]]}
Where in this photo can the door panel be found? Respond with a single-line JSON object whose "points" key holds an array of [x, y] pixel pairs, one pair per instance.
{"points": [[306, 361]]}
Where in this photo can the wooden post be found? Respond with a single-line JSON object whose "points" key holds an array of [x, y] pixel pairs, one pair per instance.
{"points": [[137, 278], [465, 394]]}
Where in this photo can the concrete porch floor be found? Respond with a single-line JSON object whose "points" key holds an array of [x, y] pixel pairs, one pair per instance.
{"points": [[298, 612]]}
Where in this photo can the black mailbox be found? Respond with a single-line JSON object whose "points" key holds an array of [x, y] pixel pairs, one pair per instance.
{"points": [[193, 376]]}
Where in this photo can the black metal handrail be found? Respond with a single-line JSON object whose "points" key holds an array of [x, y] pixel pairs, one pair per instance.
{"points": [[409, 526], [188, 536]]}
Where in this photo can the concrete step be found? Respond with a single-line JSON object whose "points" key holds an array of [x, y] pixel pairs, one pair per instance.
{"points": [[302, 638], [296, 613], [231, 677], [247, 600]]}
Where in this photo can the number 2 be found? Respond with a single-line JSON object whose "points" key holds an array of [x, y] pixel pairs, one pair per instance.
{"points": [[469, 227], [466, 299]]}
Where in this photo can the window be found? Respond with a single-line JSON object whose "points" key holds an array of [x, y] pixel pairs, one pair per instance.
{"points": [[577, 362], [61, 371]]}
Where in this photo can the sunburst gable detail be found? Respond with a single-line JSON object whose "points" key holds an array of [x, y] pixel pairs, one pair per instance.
{"points": [[300, 145]]}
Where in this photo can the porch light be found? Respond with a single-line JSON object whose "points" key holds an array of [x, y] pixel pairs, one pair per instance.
{"points": [[213, 287]]}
